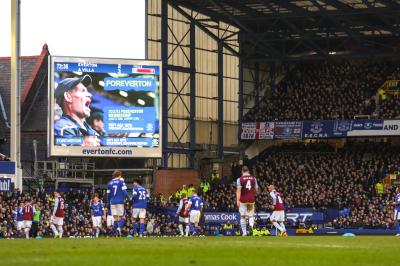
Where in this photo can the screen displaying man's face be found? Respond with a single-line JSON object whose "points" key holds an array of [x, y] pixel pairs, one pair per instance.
{"points": [[80, 101], [98, 125], [102, 107]]}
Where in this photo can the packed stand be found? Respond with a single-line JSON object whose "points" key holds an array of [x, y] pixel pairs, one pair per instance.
{"points": [[326, 91], [316, 177]]}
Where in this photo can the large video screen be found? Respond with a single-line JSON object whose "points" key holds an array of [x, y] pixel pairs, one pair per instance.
{"points": [[102, 107]]}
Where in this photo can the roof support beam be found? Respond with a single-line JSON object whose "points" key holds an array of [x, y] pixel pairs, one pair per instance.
{"points": [[202, 27]]}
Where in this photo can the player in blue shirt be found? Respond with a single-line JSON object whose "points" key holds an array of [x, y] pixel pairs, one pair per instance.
{"points": [[97, 214], [140, 198], [116, 195], [396, 204], [195, 206], [18, 217]]}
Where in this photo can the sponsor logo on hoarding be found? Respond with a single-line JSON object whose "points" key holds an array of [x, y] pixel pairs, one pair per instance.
{"points": [[221, 217], [344, 126], [5, 184]]}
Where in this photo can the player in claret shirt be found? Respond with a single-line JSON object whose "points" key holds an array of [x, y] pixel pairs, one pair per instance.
{"points": [[183, 215], [27, 216], [278, 215], [97, 215], [139, 206], [116, 195], [246, 190], [195, 205], [57, 218]]}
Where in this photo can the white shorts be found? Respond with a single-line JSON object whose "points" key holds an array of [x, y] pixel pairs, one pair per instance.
{"points": [[246, 209], [27, 224], [195, 217], [110, 220], [59, 221], [183, 220], [139, 213], [396, 215], [278, 216], [20, 225], [117, 209], [96, 221]]}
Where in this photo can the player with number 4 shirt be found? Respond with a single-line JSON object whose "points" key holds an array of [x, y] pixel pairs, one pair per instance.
{"points": [[246, 190]]}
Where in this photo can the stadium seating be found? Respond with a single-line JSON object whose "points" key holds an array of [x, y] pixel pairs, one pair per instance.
{"points": [[314, 176], [329, 90]]}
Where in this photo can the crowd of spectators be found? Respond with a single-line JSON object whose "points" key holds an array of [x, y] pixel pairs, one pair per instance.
{"points": [[329, 90], [317, 177], [314, 176]]}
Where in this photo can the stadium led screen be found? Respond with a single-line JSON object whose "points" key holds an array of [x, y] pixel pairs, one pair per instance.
{"points": [[101, 107]]}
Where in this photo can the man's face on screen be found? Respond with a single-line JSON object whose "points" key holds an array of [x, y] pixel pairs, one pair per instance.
{"points": [[80, 101]]}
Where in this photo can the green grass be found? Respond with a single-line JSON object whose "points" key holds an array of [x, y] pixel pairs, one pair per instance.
{"points": [[312, 250]]}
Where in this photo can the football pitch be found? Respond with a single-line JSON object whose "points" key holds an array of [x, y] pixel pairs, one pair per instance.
{"points": [[300, 250]]}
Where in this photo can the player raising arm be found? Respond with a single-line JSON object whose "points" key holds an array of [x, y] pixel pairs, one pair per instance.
{"points": [[195, 205], [278, 215], [246, 190], [139, 206], [57, 218], [116, 195], [183, 215]]}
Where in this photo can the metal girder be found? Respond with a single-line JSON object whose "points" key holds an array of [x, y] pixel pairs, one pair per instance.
{"points": [[192, 123], [202, 27], [164, 81], [178, 44], [220, 86], [256, 40]]}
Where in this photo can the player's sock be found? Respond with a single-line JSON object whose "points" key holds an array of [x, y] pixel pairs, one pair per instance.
{"points": [[97, 232], [60, 231], [121, 223], [191, 227], [181, 229], [110, 231], [283, 226], [26, 232], [187, 230], [277, 226], [243, 226], [115, 227], [54, 229], [134, 227], [398, 227], [141, 228], [251, 222]]}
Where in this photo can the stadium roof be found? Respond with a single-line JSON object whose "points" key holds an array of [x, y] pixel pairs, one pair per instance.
{"points": [[281, 30]]}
